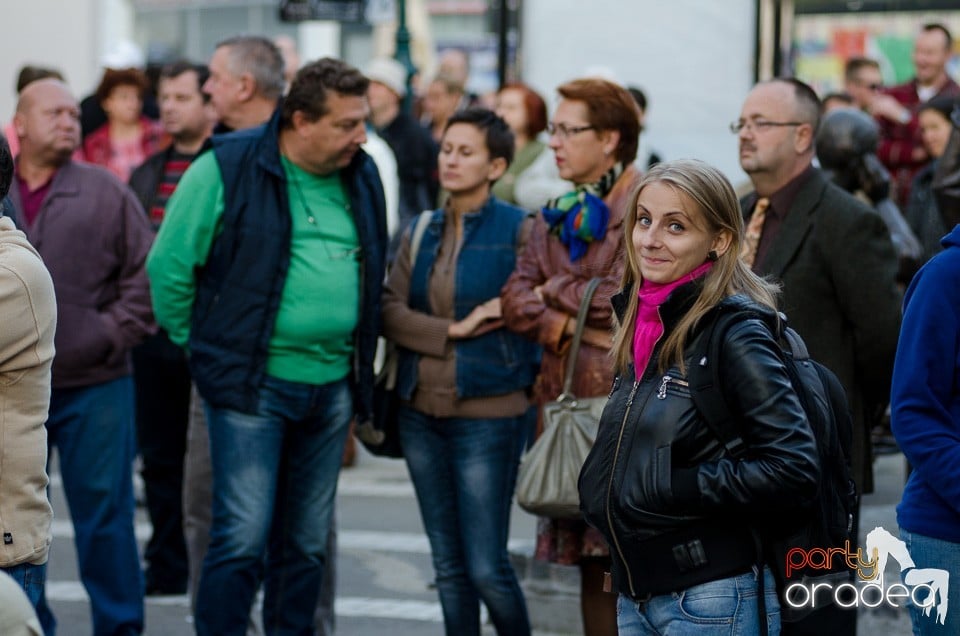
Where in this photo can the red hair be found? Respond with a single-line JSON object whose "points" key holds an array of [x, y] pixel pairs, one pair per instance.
{"points": [[609, 107], [534, 106]]}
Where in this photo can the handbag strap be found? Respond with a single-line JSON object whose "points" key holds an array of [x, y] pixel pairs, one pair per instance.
{"points": [[577, 336], [416, 237]]}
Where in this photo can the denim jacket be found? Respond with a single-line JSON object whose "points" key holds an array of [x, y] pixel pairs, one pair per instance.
{"points": [[500, 361]]}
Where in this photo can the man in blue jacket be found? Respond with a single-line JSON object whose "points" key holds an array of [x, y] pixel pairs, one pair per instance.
{"points": [[268, 268]]}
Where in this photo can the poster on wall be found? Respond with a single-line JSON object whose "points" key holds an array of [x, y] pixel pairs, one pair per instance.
{"points": [[823, 43]]}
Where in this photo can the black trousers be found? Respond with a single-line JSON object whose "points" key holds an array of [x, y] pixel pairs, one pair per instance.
{"points": [[162, 389]]}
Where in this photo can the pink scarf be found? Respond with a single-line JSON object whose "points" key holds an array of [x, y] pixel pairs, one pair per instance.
{"points": [[649, 328]]}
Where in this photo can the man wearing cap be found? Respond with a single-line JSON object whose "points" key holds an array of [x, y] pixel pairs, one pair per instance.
{"points": [[415, 150]]}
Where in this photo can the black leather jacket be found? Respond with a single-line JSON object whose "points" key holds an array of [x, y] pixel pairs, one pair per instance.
{"points": [[657, 484]]}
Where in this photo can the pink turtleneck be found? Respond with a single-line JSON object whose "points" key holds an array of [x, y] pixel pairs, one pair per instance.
{"points": [[649, 328]]}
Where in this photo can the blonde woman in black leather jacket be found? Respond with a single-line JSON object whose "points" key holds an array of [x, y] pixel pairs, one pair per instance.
{"points": [[675, 509]]}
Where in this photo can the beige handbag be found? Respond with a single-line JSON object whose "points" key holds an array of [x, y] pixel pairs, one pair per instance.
{"points": [[547, 479]]}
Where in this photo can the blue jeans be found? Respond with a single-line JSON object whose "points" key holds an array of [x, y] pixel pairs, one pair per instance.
{"points": [[92, 429], [725, 607], [928, 552], [31, 578], [274, 482], [464, 472]]}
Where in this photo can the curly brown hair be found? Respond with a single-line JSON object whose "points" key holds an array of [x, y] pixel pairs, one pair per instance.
{"points": [[112, 78], [308, 91]]}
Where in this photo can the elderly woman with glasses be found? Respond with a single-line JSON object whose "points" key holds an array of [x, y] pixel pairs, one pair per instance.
{"points": [[577, 237]]}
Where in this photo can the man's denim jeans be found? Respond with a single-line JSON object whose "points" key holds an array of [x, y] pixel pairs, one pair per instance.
{"points": [[274, 481], [464, 471], [31, 578], [92, 429]]}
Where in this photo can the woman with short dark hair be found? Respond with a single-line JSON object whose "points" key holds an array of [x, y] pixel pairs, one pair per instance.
{"points": [[463, 378]]}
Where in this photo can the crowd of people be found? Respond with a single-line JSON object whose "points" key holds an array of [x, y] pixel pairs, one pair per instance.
{"points": [[214, 276]]}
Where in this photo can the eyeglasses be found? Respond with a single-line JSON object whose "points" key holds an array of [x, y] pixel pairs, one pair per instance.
{"points": [[564, 131], [760, 125]]}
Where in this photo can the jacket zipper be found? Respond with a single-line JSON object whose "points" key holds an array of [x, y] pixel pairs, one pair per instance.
{"points": [[616, 454], [667, 379]]}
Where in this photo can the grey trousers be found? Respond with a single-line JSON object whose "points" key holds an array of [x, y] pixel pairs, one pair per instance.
{"points": [[197, 517]]}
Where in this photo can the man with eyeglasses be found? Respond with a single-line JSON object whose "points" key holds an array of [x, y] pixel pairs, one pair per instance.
{"points": [[268, 268], [833, 256], [862, 81], [901, 147]]}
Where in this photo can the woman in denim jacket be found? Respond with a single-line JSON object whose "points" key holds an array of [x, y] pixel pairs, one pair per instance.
{"points": [[463, 377]]}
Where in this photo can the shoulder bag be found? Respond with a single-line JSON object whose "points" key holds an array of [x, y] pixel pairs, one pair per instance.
{"points": [[547, 479]]}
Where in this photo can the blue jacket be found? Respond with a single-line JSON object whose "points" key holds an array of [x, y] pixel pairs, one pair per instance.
{"points": [[239, 290], [498, 362], [925, 397]]}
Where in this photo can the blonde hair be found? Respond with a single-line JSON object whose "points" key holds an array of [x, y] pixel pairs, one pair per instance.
{"points": [[713, 195]]}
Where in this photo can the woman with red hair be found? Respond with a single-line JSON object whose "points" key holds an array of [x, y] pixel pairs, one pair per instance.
{"points": [[576, 237], [128, 138], [532, 179]]}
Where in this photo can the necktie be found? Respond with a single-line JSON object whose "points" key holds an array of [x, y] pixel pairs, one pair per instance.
{"points": [[751, 239]]}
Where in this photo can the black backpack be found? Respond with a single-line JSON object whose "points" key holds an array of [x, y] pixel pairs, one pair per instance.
{"points": [[830, 519]]}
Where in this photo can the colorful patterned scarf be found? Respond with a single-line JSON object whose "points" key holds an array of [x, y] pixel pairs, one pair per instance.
{"points": [[580, 217]]}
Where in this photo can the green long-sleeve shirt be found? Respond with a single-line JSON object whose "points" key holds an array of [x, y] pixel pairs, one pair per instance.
{"points": [[312, 338]]}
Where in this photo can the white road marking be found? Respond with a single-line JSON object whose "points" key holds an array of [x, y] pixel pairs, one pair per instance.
{"points": [[363, 607], [350, 484], [348, 540]]}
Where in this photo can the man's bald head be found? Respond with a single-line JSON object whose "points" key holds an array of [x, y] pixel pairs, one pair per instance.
{"points": [[456, 64], [47, 122]]}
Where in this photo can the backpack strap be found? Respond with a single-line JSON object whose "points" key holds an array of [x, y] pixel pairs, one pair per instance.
{"points": [[706, 389], [707, 395]]}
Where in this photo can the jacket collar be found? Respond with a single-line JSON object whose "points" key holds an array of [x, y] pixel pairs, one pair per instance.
{"points": [[797, 224], [616, 199], [683, 297], [268, 150], [671, 311], [67, 181]]}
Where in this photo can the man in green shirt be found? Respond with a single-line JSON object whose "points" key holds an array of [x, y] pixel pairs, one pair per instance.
{"points": [[268, 268]]}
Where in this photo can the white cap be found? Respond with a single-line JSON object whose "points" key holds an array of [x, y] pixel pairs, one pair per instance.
{"points": [[388, 72], [123, 54]]}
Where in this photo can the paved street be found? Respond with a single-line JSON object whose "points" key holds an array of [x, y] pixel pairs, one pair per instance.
{"points": [[385, 572]]}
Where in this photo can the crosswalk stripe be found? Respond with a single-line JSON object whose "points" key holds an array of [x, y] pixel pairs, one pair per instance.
{"points": [[348, 485], [360, 607], [353, 540]]}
